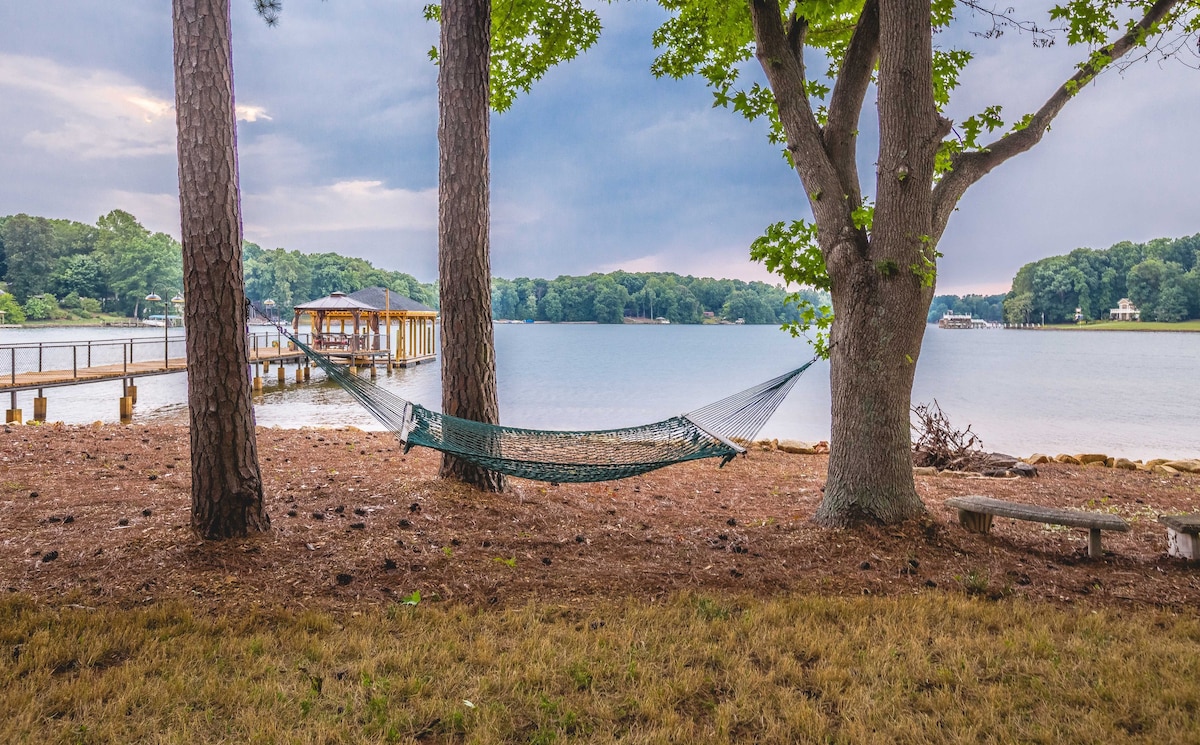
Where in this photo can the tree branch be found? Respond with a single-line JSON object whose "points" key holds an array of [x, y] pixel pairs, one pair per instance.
{"points": [[797, 32], [967, 168], [784, 69], [849, 92]]}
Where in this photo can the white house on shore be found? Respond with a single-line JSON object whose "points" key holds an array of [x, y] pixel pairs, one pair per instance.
{"points": [[1124, 311]]}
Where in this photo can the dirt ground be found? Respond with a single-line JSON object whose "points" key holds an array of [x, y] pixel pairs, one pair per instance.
{"points": [[99, 515]]}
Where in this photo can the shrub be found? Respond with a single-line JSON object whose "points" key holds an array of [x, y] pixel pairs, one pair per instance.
{"points": [[12, 311], [37, 309]]}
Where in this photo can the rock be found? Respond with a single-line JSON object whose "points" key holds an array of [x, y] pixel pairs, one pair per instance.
{"points": [[1097, 464], [925, 471], [1000, 460], [1108, 462], [1124, 464], [1064, 458], [1187, 466], [1023, 469], [1037, 459], [796, 447], [1157, 462], [1086, 458], [1165, 469]]}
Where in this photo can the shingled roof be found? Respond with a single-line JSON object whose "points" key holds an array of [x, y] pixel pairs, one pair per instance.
{"points": [[374, 297], [335, 301]]}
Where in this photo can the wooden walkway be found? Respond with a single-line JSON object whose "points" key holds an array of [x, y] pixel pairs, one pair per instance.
{"points": [[26, 381]]}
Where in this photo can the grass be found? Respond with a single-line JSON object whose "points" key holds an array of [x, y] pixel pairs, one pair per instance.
{"points": [[931, 668], [98, 319], [1192, 325]]}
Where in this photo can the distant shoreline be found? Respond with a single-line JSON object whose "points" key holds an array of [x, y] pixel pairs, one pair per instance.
{"points": [[1192, 326], [1182, 326]]}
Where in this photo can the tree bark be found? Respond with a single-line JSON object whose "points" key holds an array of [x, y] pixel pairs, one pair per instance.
{"points": [[881, 298], [227, 491], [464, 262]]}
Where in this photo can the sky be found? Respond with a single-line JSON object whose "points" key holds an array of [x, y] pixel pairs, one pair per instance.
{"points": [[601, 167]]}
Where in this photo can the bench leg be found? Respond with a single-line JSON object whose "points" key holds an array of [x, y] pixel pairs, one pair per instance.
{"points": [[1094, 543], [975, 522]]}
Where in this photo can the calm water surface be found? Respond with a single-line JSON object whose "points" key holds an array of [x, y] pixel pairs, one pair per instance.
{"points": [[1123, 393]]}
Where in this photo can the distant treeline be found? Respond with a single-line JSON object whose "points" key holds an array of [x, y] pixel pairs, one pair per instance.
{"points": [[1161, 277], [610, 298], [62, 268], [988, 307]]}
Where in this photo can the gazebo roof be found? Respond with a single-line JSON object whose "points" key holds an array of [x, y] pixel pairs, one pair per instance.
{"points": [[378, 299], [336, 301]]}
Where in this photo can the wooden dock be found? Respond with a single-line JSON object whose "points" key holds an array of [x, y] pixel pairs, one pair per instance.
{"points": [[38, 379], [41, 365]]}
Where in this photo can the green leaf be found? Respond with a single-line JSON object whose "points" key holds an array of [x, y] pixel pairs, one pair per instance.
{"points": [[528, 38]]}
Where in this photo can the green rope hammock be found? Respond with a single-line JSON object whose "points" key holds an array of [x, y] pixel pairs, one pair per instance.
{"points": [[713, 431]]}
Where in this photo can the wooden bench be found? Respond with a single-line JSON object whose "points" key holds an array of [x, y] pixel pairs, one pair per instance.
{"points": [[975, 514], [1183, 535]]}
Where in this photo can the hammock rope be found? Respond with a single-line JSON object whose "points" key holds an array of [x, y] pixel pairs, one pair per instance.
{"points": [[719, 430]]}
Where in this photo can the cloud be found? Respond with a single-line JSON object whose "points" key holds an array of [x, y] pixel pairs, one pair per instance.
{"points": [[248, 113], [158, 213], [343, 206], [91, 113]]}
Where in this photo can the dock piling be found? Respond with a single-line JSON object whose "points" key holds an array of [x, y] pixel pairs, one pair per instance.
{"points": [[13, 414]]}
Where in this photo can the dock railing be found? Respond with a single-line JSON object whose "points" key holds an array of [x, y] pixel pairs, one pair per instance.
{"points": [[79, 357]]}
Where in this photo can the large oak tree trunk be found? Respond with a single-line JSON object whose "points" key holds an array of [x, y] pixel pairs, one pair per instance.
{"points": [[875, 347], [227, 491], [464, 262], [881, 295]]}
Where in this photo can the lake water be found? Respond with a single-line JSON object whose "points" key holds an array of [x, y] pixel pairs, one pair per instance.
{"points": [[1124, 393]]}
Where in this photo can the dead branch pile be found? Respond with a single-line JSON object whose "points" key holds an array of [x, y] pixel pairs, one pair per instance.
{"points": [[937, 443]]}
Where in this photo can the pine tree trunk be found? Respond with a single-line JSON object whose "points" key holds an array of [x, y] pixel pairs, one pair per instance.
{"points": [[464, 263], [227, 491]]}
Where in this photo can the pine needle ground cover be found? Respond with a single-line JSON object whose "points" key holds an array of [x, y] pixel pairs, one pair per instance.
{"points": [[692, 604], [692, 668]]}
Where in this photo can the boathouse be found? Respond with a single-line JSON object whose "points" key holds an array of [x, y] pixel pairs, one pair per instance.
{"points": [[369, 324]]}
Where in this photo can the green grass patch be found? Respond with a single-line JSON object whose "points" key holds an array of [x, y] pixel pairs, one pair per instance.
{"points": [[1192, 325], [96, 319], [924, 669]]}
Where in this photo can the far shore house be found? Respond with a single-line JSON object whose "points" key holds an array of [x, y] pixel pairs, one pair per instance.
{"points": [[362, 322], [1124, 311]]}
